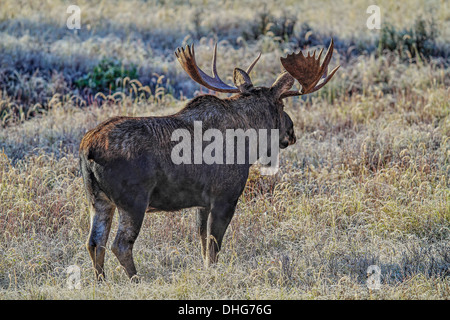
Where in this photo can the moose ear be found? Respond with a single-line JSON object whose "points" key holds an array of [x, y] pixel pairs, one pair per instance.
{"points": [[242, 80], [283, 83]]}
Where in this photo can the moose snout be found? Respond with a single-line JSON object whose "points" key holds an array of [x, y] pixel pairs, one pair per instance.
{"points": [[284, 144], [293, 139], [287, 141]]}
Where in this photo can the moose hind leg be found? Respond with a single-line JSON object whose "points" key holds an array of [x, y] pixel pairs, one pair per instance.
{"points": [[101, 217], [130, 222]]}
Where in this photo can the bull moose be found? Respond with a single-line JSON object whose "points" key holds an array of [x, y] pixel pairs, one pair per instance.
{"points": [[126, 161]]}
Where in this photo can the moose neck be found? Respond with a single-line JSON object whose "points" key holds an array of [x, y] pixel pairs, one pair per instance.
{"points": [[256, 109], [241, 111]]}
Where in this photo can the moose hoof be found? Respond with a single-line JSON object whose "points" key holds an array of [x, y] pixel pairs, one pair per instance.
{"points": [[135, 279]]}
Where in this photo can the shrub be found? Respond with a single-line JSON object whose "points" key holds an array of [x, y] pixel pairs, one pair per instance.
{"points": [[104, 75], [281, 28], [420, 39]]}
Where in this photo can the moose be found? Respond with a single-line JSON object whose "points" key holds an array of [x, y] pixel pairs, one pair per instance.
{"points": [[126, 161]]}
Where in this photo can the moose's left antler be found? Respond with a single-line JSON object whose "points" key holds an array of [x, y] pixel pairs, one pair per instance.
{"points": [[308, 71], [186, 57]]}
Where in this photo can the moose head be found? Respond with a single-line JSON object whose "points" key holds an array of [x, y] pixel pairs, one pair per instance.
{"points": [[128, 162], [307, 70]]}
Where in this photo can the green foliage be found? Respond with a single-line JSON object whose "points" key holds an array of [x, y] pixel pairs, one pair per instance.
{"points": [[420, 39], [104, 75]]}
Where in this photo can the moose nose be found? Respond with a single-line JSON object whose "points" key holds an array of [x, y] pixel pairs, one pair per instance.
{"points": [[284, 144], [293, 140]]}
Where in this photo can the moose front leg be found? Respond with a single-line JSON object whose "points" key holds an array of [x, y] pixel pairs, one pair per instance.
{"points": [[202, 228], [218, 221]]}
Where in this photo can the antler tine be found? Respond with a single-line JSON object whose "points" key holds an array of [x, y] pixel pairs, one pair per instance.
{"points": [[323, 81], [186, 57], [214, 69], [213, 64], [249, 69], [308, 71]]}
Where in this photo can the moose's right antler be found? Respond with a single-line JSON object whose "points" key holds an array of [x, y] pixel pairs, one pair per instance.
{"points": [[308, 71], [186, 57]]}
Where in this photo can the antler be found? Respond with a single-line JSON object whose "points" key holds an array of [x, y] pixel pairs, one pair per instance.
{"points": [[308, 71], [186, 57]]}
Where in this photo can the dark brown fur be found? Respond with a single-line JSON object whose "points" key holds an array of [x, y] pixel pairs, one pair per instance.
{"points": [[126, 164]]}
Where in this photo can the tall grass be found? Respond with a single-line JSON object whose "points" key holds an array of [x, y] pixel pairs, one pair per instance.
{"points": [[367, 182]]}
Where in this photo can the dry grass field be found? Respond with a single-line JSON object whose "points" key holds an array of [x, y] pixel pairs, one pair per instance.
{"points": [[367, 182]]}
